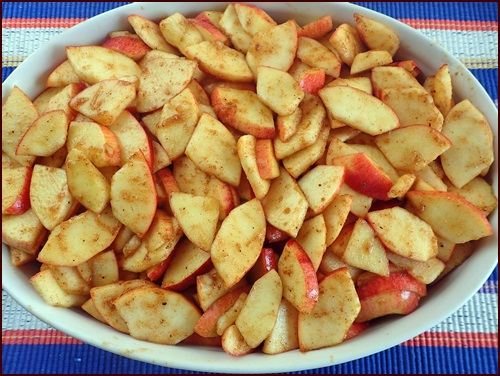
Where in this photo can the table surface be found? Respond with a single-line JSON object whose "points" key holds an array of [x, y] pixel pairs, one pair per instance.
{"points": [[464, 343]]}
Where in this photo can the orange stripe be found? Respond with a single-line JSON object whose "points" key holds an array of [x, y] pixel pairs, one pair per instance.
{"points": [[41, 22], [451, 24], [456, 339]]}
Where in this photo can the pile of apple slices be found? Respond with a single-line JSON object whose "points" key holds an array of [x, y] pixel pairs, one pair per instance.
{"points": [[228, 180]]}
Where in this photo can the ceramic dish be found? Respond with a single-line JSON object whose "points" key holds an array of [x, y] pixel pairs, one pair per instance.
{"points": [[443, 299]]}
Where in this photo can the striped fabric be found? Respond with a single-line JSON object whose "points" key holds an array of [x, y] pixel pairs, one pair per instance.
{"points": [[466, 342]]}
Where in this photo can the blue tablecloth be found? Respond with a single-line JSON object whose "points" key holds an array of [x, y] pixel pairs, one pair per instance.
{"points": [[466, 342]]}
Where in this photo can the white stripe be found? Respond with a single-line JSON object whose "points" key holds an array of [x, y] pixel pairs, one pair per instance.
{"points": [[466, 319], [462, 44]]}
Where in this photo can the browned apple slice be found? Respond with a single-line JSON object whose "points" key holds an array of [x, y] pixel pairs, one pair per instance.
{"points": [[337, 308], [350, 105], [472, 151], [450, 215], [96, 63], [237, 246]]}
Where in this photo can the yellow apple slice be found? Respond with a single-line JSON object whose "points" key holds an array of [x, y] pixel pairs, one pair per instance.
{"points": [[179, 32], [24, 232], [248, 157], [316, 55], [253, 19], [62, 75], [48, 288], [346, 41], [150, 33], [231, 26], [312, 239], [284, 336], [16, 189], [367, 60], [376, 35]]}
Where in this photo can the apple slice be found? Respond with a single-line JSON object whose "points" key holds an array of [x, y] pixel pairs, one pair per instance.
{"points": [[364, 176], [178, 119], [285, 204], [133, 194], [79, 238], [104, 297], [231, 26], [401, 186], [312, 80], [85, 182], [321, 185], [229, 317], [423, 271], [253, 19], [89, 307], [237, 246], [367, 60], [316, 29], [46, 135], [213, 149], [226, 195], [189, 178], [393, 302], [365, 251], [404, 233], [346, 41], [278, 90], [308, 129], [105, 269], [104, 101], [179, 32], [412, 106], [312, 239], [150, 33], [187, 262], [450, 215], [479, 193], [267, 163], [161, 79], [233, 342], [207, 324], [68, 278], [393, 77], [62, 75], [300, 283], [442, 90], [472, 151], [260, 310], [50, 197], [243, 110], [376, 35], [46, 285], [284, 336], [220, 61], [350, 106], [208, 30], [247, 153], [335, 216], [16, 183], [361, 83], [275, 47], [267, 260], [130, 45], [18, 113], [197, 216], [337, 308], [96, 141], [316, 55], [412, 147], [23, 231], [19, 257], [97, 63]]}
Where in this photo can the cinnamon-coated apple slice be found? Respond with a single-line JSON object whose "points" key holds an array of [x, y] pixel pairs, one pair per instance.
{"points": [[16, 189]]}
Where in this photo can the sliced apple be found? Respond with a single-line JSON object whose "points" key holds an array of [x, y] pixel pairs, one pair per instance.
{"points": [[267, 163], [316, 55], [208, 30], [367, 60], [46, 285], [346, 41], [376, 35], [150, 33], [337, 308], [16, 183], [24, 232], [179, 32], [260, 310], [284, 336], [243, 110], [233, 342], [79, 238], [231, 26], [253, 19], [96, 63], [62, 75], [423, 271], [46, 135], [237, 246], [312, 239], [213, 149], [479, 193], [267, 260], [133, 194], [18, 113], [129, 45], [316, 29], [248, 158], [404, 233], [450, 215], [442, 92], [412, 147], [472, 151], [285, 204], [50, 197], [278, 90], [275, 47], [350, 105]]}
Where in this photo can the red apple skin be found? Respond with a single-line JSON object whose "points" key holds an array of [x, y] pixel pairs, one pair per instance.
{"points": [[393, 302], [128, 45], [203, 21], [395, 281], [362, 175], [317, 28], [274, 235], [157, 271], [191, 278], [356, 328], [313, 81], [196, 340], [409, 65], [22, 201], [268, 260]]}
